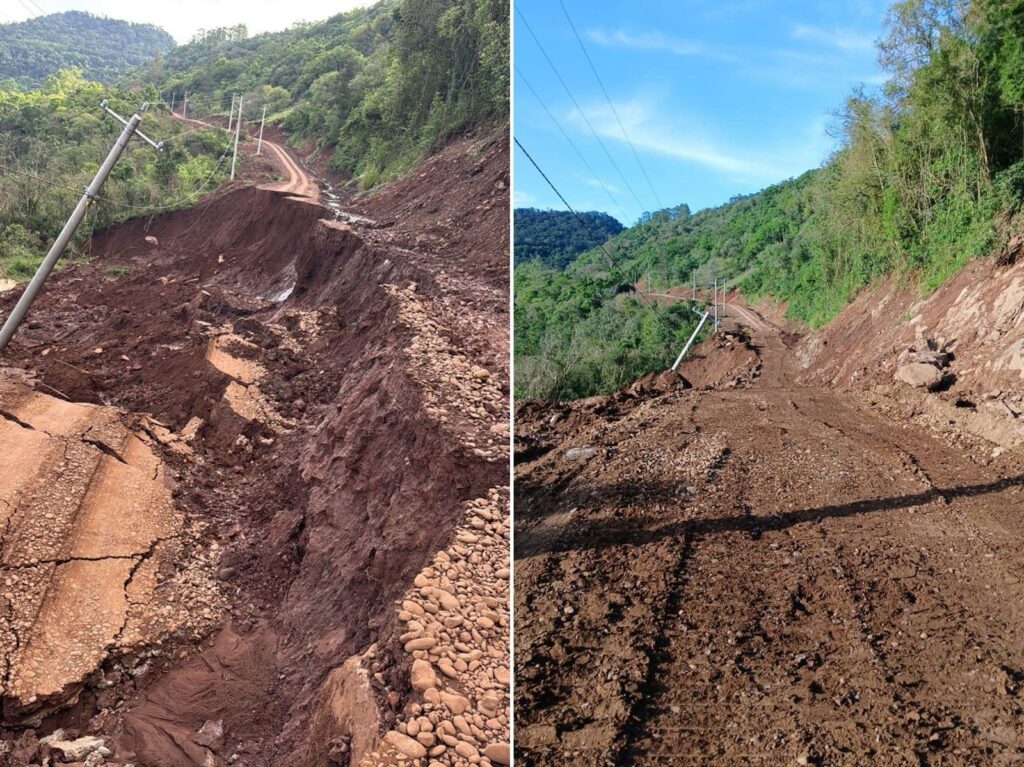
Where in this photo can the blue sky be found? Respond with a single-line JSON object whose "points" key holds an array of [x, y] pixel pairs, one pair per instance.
{"points": [[719, 97]]}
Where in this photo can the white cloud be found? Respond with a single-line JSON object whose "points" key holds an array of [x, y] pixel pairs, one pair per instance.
{"points": [[593, 182], [843, 39], [522, 198], [652, 41], [677, 140]]}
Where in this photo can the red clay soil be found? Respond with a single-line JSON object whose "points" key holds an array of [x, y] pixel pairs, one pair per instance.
{"points": [[764, 572], [326, 499]]}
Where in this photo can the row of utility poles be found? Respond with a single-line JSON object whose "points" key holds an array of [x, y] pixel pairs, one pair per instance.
{"points": [[713, 312], [234, 119], [91, 194]]}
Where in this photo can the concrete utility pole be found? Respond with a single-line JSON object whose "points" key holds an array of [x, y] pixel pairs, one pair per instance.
{"points": [[184, 107], [172, 103], [696, 330], [259, 144], [716, 303], [238, 127], [231, 115], [88, 198]]}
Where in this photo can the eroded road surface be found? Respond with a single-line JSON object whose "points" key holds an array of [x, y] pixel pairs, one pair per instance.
{"points": [[87, 520], [763, 573]]}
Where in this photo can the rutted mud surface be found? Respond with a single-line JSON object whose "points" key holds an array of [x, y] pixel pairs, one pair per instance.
{"points": [[315, 452], [765, 573]]}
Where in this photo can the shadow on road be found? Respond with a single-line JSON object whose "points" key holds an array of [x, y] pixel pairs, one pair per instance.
{"points": [[598, 534]]}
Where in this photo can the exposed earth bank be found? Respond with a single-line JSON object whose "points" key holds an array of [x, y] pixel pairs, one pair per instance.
{"points": [[793, 557], [323, 410]]}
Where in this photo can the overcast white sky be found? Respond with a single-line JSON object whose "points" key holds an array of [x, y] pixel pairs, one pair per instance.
{"points": [[183, 17]]}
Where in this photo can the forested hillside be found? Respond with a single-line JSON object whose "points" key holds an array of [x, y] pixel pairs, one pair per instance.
{"points": [[556, 237], [930, 174], [376, 87], [104, 49], [52, 141]]}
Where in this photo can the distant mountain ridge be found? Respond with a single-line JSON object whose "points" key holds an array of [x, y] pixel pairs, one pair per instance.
{"points": [[104, 49], [556, 237]]}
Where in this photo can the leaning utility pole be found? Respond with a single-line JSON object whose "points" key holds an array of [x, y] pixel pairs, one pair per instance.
{"points": [[259, 144], [88, 198], [238, 127], [231, 114]]}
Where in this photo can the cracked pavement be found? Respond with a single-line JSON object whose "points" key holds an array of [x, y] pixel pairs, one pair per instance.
{"points": [[86, 519]]}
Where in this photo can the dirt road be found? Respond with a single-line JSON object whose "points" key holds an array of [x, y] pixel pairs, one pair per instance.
{"points": [[87, 522], [764, 574], [297, 180]]}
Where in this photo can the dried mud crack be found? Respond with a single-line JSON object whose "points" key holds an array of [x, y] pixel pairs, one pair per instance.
{"points": [[227, 459], [755, 571]]}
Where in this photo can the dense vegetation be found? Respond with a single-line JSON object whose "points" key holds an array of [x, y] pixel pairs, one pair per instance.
{"points": [[555, 237], [59, 135], [104, 49], [577, 334], [376, 87], [930, 174]]}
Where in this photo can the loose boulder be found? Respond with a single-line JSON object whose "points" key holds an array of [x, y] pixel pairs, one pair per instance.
{"points": [[920, 375]]}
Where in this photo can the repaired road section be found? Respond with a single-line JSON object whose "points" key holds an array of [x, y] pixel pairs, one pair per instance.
{"points": [[755, 571]]}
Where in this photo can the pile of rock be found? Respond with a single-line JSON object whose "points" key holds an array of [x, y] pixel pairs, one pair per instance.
{"points": [[58, 748], [925, 364], [465, 399], [457, 631]]}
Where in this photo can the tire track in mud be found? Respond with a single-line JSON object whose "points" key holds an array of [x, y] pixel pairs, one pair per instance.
{"points": [[848, 595]]}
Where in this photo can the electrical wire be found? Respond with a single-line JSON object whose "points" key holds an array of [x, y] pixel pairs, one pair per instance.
{"points": [[611, 104], [572, 143], [31, 14], [128, 206], [583, 223], [579, 109]]}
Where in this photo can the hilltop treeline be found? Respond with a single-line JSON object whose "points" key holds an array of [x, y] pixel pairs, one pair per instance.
{"points": [[929, 174], [104, 49], [376, 87], [556, 237]]}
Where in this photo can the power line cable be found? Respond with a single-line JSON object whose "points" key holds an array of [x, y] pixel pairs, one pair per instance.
{"points": [[572, 143], [583, 223], [611, 104], [36, 6], [579, 108], [128, 206], [31, 14]]}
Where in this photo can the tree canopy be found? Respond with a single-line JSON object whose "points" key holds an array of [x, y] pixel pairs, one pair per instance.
{"points": [[105, 50], [52, 141], [556, 237], [376, 87]]}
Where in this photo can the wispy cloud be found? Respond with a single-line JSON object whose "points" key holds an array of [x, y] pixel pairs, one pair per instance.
{"points": [[653, 41], [522, 199], [849, 40], [593, 182], [676, 140]]}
